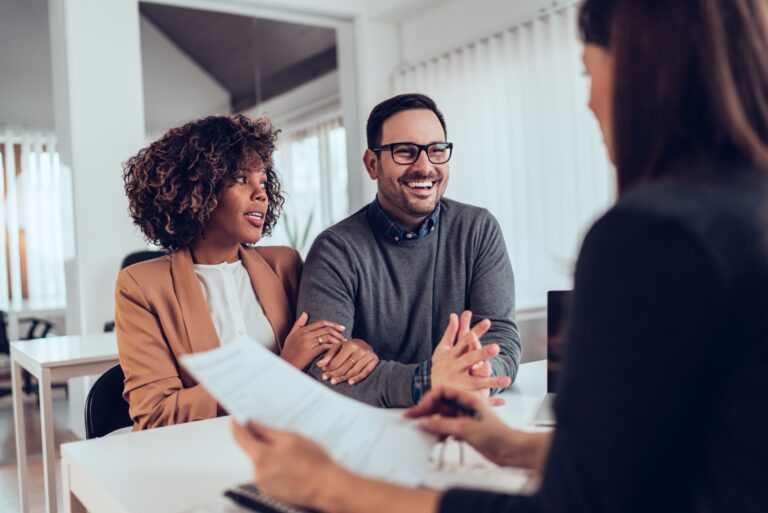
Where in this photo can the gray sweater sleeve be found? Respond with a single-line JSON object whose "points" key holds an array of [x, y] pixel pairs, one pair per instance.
{"points": [[492, 296], [327, 292]]}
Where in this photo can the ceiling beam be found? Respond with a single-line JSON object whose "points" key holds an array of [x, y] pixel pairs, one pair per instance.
{"points": [[307, 12]]}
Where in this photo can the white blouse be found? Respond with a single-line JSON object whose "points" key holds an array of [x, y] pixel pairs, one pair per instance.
{"points": [[233, 305]]}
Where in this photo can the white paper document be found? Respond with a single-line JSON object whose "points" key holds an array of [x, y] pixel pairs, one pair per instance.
{"points": [[251, 382]]}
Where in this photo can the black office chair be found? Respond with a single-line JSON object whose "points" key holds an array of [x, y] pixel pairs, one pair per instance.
{"points": [[5, 359], [140, 256], [105, 408], [38, 328], [130, 259]]}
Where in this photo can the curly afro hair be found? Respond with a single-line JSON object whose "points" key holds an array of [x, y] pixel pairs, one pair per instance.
{"points": [[174, 184]]}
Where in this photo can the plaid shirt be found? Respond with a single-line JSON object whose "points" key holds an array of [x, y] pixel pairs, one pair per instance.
{"points": [[422, 381], [393, 231]]}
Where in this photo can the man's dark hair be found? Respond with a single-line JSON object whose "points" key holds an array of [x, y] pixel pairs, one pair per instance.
{"points": [[690, 80], [388, 108]]}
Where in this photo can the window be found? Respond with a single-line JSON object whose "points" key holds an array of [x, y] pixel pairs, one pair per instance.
{"points": [[36, 219], [312, 162]]}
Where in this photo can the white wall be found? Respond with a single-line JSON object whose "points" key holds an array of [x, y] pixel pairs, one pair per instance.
{"points": [[26, 95], [532, 324], [396, 11], [176, 89], [376, 54], [454, 23], [99, 119]]}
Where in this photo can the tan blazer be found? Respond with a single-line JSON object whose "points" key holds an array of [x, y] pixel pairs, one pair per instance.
{"points": [[161, 314]]}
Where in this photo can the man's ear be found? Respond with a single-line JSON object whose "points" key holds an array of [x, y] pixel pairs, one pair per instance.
{"points": [[369, 161]]}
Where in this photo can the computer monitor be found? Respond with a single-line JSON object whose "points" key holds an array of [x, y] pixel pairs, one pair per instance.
{"points": [[558, 317]]}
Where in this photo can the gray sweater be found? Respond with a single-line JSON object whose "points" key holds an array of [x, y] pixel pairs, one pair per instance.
{"points": [[397, 296]]}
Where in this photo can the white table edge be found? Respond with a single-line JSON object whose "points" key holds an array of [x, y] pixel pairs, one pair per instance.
{"points": [[45, 374]]}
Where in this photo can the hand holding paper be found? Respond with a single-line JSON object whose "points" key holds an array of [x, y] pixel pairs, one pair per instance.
{"points": [[254, 384]]}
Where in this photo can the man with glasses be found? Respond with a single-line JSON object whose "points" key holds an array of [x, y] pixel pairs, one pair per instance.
{"points": [[393, 272]]}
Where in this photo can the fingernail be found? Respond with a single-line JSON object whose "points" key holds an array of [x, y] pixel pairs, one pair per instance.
{"points": [[333, 382], [342, 328], [321, 365], [351, 381], [325, 378]]}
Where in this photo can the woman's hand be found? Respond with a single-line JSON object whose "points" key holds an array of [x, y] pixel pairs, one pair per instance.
{"points": [[352, 361], [288, 466], [306, 342], [296, 470], [486, 432]]}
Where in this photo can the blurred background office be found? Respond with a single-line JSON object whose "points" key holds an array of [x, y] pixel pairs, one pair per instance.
{"points": [[84, 84]]}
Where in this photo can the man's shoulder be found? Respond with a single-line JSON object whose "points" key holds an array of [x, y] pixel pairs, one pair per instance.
{"points": [[344, 244], [350, 229], [464, 214], [453, 207]]}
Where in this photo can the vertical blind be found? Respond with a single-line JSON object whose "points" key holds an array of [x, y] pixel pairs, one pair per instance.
{"points": [[526, 146], [36, 219]]}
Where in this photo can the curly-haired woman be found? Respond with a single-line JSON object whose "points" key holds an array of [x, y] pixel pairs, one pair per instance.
{"points": [[206, 192]]}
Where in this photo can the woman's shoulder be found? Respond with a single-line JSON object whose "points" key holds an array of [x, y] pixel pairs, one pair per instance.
{"points": [[153, 271], [734, 196], [722, 221], [279, 258], [719, 211]]}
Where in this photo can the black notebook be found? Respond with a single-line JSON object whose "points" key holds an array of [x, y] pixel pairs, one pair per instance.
{"points": [[249, 496]]}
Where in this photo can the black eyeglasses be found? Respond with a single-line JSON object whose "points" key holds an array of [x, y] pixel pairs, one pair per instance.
{"points": [[408, 153]]}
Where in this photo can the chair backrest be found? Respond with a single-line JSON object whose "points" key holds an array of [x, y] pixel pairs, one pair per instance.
{"points": [[5, 345], [38, 328], [130, 259], [140, 256], [105, 408]]}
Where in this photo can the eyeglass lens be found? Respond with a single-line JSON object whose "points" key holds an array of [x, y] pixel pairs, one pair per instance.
{"points": [[437, 153]]}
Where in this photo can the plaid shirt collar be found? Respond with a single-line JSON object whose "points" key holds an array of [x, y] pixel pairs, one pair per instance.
{"points": [[393, 231]]}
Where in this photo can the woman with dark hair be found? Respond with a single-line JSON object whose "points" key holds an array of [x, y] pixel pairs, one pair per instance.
{"points": [[207, 192], [662, 403]]}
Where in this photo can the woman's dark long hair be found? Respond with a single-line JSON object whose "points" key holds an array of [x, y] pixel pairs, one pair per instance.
{"points": [[691, 79]]}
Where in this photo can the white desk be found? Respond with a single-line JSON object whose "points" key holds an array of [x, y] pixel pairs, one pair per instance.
{"points": [[176, 468], [49, 359]]}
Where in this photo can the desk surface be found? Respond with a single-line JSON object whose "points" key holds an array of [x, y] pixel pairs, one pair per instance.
{"points": [[176, 468], [67, 350]]}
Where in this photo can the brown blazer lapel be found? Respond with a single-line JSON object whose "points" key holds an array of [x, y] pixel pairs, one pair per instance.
{"points": [[270, 293], [197, 320]]}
